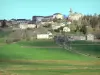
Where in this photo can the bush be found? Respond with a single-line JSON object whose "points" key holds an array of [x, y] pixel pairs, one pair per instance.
{"points": [[48, 25], [16, 40], [8, 41], [97, 35], [11, 40]]}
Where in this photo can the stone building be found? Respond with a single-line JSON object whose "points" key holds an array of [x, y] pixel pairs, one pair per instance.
{"points": [[90, 37], [58, 16], [74, 15]]}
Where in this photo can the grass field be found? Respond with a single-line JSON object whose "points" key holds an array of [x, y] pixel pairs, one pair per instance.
{"points": [[93, 50], [44, 57], [87, 47]]}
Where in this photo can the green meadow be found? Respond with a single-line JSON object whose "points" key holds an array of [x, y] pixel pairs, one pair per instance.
{"points": [[44, 57]]}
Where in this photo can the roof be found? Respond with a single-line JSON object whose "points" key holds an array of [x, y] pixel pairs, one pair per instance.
{"points": [[43, 16], [21, 20], [38, 16], [48, 16], [56, 13]]}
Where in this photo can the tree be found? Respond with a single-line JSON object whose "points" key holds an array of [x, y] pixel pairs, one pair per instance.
{"points": [[47, 25], [76, 25], [3, 23], [94, 22], [84, 29], [57, 20], [84, 24]]}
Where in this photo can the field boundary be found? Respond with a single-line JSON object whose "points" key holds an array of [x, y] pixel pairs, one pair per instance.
{"points": [[75, 51], [58, 68], [74, 62], [41, 47]]}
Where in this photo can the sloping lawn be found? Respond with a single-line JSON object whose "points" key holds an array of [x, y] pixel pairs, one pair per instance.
{"points": [[87, 47], [59, 72], [44, 60], [15, 51], [84, 42]]}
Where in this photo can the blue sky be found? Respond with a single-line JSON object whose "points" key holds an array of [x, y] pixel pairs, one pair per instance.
{"points": [[27, 8]]}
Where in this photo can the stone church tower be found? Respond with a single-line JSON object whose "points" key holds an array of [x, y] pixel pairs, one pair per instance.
{"points": [[71, 11]]}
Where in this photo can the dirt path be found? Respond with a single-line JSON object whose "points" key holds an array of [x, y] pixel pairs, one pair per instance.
{"points": [[58, 68], [85, 44], [83, 65], [7, 71], [73, 62]]}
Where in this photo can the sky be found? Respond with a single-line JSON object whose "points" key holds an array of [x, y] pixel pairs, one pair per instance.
{"points": [[27, 8]]}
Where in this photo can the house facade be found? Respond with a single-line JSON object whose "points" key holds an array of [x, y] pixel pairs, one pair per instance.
{"points": [[90, 37], [78, 37], [58, 16], [20, 21], [47, 18], [39, 19], [25, 26]]}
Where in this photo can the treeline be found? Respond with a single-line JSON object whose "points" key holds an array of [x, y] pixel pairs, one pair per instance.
{"points": [[87, 24], [93, 21]]}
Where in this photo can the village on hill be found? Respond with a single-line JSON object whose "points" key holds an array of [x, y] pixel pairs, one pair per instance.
{"points": [[76, 25]]}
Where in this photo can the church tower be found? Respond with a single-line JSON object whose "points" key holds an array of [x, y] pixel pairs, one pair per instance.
{"points": [[71, 11]]}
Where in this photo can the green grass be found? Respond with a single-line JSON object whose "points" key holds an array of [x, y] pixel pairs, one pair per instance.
{"points": [[68, 59], [32, 68], [2, 40], [15, 51], [3, 35], [84, 42], [87, 47], [38, 43]]}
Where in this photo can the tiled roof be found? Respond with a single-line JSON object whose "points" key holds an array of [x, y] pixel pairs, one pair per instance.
{"points": [[56, 13]]}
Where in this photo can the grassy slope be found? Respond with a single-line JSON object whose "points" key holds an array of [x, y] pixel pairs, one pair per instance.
{"points": [[59, 72], [15, 51], [91, 48]]}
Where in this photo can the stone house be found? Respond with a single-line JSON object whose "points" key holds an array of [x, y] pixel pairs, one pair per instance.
{"points": [[78, 37], [58, 16], [20, 21], [42, 33], [25, 26], [37, 19], [47, 18], [74, 15], [66, 29], [90, 37]]}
